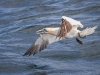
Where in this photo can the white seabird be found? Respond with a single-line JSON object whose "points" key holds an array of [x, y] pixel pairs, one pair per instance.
{"points": [[68, 29]]}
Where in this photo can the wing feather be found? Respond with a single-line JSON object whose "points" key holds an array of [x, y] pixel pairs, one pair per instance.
{"points": [[41, 43], [38, 46], [64, 29]]}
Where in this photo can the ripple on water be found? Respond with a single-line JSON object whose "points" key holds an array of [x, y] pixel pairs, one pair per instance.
{"points": [[19, 21]]}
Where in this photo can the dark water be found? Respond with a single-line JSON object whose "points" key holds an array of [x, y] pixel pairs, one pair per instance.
{"points": [[20, 19]]}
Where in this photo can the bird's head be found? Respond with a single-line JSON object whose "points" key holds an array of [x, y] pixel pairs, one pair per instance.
{"points": [[45, 31]]}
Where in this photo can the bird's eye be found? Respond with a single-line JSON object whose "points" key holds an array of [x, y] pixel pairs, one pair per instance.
{"points": [[44, 29]]}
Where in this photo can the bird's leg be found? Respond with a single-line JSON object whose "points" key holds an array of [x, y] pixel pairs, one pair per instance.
{"points": [[80, 42]]}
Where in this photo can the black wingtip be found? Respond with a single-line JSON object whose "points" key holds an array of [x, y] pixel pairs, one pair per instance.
{"points": [[32, 50], [26, 54]]}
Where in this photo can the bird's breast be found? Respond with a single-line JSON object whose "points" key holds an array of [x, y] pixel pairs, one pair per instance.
{"points": [[72, 34]]}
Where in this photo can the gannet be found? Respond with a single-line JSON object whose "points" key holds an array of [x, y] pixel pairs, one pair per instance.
{"points": [[68, 29]]}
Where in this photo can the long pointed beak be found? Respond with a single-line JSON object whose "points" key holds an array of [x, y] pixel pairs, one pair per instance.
{"points": [[39, 31], [42, 31]]}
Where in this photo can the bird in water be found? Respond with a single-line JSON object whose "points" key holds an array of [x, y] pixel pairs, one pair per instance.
{"points": [[68, 29]]}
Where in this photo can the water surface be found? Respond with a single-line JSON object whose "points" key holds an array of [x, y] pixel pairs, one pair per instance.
{"points": [[20, 19]]}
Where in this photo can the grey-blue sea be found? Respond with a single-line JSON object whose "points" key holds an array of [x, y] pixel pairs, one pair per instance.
{"points": [[19, 21]]}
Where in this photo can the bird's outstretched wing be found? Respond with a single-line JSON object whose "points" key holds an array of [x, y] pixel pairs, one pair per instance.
{"points": [[41, 43], [64, 29], [38, 46]]}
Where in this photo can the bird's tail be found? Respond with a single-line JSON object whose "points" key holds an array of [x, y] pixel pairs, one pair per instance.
{"points": [[87, 31]]}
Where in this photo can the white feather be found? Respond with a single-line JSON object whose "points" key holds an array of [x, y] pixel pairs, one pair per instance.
{"points": [[50, 38], [73, 22], [87, 31]]}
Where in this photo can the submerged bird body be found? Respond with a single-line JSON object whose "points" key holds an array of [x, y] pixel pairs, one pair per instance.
{"points": [[68, 29]]}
